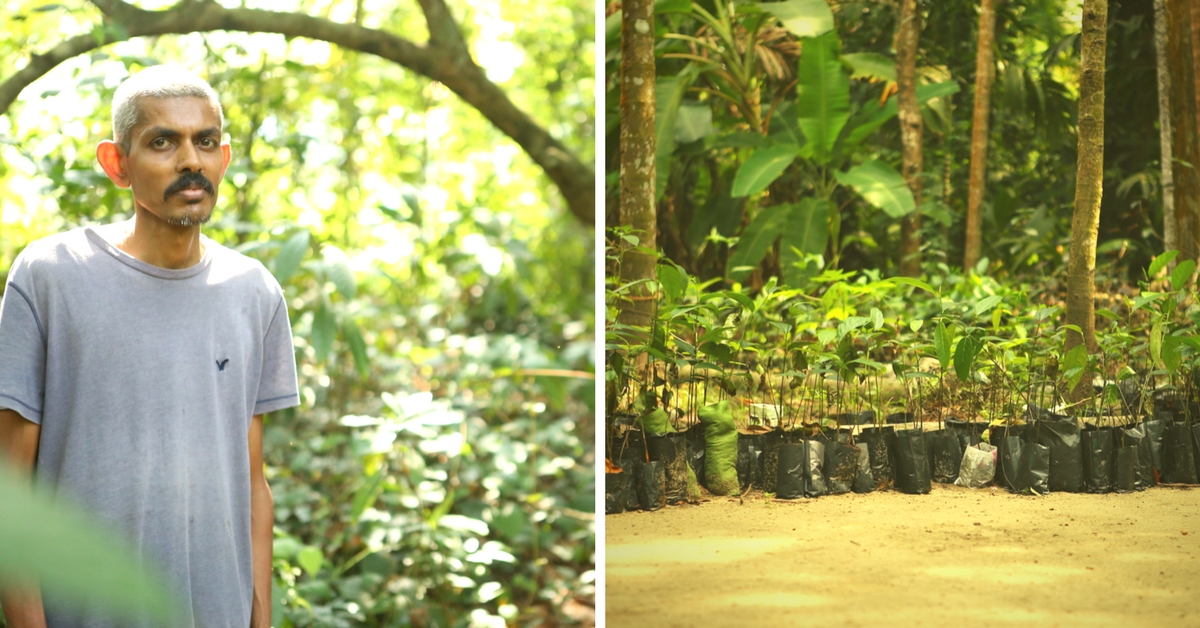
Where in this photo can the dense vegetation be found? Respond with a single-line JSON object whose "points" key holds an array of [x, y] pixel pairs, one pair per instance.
{"points": [[800, 260], [439, 471]]}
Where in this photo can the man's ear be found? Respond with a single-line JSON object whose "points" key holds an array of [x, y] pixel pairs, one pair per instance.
{"points": [[226, 155], [112, 160]]}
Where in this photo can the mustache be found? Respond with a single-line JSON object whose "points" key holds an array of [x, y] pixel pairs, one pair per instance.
{"points": [[190, 180]]}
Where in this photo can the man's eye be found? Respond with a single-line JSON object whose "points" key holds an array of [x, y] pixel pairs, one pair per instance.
{"points": [[208, 142], [159, 142]]}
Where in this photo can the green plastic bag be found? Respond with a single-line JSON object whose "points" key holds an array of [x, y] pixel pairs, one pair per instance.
{"points": [[656, 422], [720, 449]]}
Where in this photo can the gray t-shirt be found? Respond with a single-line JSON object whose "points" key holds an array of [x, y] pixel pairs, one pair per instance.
{"points": [[144, 381]]}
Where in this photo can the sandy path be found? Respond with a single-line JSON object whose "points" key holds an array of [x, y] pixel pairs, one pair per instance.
{"points": [[955, 557]]}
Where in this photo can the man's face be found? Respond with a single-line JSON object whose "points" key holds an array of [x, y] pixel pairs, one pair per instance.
{"points": [[176, 160]]}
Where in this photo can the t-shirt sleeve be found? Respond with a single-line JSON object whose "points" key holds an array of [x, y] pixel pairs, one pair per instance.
{"points": [[22, 349], [277, 388]]}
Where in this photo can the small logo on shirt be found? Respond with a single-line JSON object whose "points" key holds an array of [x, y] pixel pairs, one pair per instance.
{"points": [[221, 364]]}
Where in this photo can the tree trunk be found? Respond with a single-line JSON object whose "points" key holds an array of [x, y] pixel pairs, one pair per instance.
{"points": [[907, 39], [1085, 222], [1184, 126], [637, 156], [1170, 223], [985, 73]]}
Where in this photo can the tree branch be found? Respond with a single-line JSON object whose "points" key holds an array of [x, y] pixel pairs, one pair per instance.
{"points": [[445, 59]]}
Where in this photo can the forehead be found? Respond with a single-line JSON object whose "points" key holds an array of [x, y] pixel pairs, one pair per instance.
{"points": [[183, 114]]}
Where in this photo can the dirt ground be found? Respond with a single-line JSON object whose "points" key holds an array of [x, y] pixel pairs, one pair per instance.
{"points": [[954, 557]]}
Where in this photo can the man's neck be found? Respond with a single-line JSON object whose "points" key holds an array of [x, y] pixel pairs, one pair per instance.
{"points": [[157, 243]]}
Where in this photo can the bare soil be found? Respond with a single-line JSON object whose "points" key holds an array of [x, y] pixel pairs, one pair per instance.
{"points": [[954, 557]]}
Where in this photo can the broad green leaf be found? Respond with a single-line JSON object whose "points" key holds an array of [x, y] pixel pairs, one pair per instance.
{"points": [[761, 168], [757, 238], [692, 122], [1074, 364], [964, 357], [876, 318], [1107, 313], [784, 129], [310, 559], [1172, 352], [822, 94], [942, 340], [1156, 338], [873, 115], [1160, 262], [358, 347], [870, 65], [806, 232], [1182, 273], [337, 270], [672, 280], [916, 283], [720, 211], [668, 94], [49, 540], [717, 350], [324, 327], [290, 255], [803, 18], [987, 304], [881, 185]]}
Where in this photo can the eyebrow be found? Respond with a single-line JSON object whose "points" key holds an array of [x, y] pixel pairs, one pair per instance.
{"points": [[160, 131]]}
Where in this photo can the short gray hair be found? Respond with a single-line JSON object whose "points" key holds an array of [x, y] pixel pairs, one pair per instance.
{"points": [[160, 81]]}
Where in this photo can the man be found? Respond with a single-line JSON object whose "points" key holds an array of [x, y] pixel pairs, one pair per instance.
{"points": [[137, 360]]}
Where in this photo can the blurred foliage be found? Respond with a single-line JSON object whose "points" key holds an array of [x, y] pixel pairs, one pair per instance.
{"points": [[439, 470]]}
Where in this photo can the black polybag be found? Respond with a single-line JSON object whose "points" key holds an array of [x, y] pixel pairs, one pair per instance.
{"points": [[864, 482], [651, 480], [769, 460], [1062, 436], [614, 492], [912, 466], [1008, 460], [1033, 469], [1144, 469], [1178, 455], [1125, 468], [671, 451], [1097, 460], [841, 467], [814, 467], [791, 466], [877, 441], [947, 453], [749, 457]]}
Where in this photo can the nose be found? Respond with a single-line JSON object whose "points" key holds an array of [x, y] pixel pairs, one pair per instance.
{"points": [[188, 158]]}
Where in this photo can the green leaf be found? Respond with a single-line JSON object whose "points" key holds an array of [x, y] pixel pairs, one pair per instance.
{"points": [[822, 95], [668, 94], [1160, 262], [324, 326], [1156, 338], [1074, 364], [1107, 313], [1182, 273], [310, 559], [916, 283], [761, 168], [1172, 352], [717, 350], [942, 340], [874, 116], [806, 232], [358, 348], [964, 357], [876, 318], [881, 185], [803, 18], [366, 494], [720, 211], [337, 270], [757, 238], [692, 122], [870, 65], [987, 304], [672, 280], [64, 548], [290, 255]]}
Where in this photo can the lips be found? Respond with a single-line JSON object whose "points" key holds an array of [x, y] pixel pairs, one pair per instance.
{"points": [[192, 193]]}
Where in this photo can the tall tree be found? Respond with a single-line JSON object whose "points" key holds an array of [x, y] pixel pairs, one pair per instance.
{"points": [[1185, 125], [1085, 221], [638, 146], [907, 38], [1170, 222], [985, 73]]}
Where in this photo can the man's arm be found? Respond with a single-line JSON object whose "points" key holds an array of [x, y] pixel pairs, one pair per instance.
{"points": [[18, 450], [262, 523]]}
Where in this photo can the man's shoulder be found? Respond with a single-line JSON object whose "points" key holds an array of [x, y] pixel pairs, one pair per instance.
{"points": [[53, 252], [236, 268]]}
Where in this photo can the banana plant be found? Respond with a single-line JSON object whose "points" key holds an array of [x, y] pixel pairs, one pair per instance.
{"points": [[819, 133]]}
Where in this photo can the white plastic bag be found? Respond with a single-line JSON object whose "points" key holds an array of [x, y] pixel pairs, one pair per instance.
{"points": [[978, 466]]}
